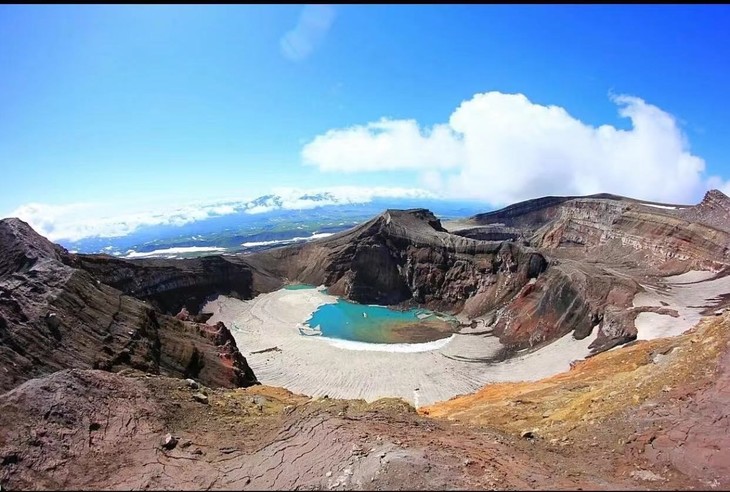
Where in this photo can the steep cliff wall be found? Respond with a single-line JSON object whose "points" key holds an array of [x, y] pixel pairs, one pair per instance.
{"points": [[405, 256], [662, 238], [170, 285], [53, 317], [605, 246]]}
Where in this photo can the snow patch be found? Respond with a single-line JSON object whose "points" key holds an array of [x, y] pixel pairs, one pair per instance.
{"points": [[667, 207], [172, 251], [315, 235]]}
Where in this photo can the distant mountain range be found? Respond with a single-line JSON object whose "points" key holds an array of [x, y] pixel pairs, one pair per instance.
{"points": [[264, 222]]}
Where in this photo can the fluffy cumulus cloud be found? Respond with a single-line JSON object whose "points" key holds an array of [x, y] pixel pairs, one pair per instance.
{"points": [[314, 23], [503, 148], [383, 146], [72, 222]]}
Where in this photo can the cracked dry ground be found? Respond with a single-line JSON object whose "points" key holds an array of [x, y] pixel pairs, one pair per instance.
{"points": [[648, 416]]}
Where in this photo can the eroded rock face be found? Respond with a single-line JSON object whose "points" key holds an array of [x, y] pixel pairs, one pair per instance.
{"points": [[586, 255], [22, 247], [602, 247], [170, 285], [407, 256], [714, 210], [662, 238], [53, 317]]}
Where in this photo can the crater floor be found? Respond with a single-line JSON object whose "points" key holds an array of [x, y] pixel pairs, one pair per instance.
{"points": [[266, 329], [419, 373]]}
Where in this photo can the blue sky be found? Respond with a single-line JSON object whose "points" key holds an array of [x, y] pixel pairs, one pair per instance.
{"points": [[118, 104]]}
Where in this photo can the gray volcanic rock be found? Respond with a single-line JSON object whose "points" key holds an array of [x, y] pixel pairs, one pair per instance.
{"points": [[22, 247], [53, 317]]}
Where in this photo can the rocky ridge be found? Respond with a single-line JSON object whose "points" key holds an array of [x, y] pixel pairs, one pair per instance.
{"points": [[54, 316], [608, 246]]}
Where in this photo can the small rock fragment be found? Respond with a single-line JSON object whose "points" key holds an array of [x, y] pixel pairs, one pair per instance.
{"points": [[192, 383], [186, 444], [528, 434], [328, 474], [200, 397], [169, 441], [646, 475]]}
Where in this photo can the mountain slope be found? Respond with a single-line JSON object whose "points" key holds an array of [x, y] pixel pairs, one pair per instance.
{"points": [[54, 317], [662, 238]]}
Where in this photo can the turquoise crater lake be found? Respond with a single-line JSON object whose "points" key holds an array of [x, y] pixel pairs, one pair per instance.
{"points": [[347, 320]]}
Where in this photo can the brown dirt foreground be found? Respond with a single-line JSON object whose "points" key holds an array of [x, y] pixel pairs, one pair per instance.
{"points": [[648, 416]]}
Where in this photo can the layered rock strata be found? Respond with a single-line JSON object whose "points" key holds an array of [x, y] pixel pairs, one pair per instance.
{"points": [[54, 316]]}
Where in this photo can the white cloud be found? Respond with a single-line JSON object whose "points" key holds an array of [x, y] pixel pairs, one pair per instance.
{"points": [[72, 222], [503, 148], [314, 23], [78, 221], [383, 146]]}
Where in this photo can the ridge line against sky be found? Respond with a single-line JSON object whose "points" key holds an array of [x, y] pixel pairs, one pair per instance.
{"points": [[118, 105]]}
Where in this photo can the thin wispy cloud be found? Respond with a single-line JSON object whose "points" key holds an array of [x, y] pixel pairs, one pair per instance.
{"points": [[311, 29], [502, 148]]}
